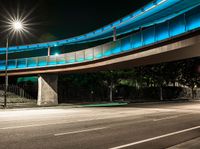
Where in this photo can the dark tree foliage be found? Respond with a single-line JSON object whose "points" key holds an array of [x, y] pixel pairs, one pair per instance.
{"points": [[189, 76], [104, 84]]}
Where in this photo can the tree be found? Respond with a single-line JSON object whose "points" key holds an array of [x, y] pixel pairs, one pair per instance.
{"points": [[112, 79], [188, 74]]}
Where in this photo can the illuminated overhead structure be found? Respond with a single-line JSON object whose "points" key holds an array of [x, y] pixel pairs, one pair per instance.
{"points": [[179, 26], [153, 13]]}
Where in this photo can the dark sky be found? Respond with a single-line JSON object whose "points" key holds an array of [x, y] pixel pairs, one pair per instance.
{"points": [[67, 18]]}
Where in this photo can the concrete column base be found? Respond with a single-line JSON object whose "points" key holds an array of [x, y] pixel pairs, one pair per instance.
{"points": [[47, 89]]}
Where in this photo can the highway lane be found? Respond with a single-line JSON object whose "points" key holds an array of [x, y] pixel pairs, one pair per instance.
{"points": [[137, 126]]}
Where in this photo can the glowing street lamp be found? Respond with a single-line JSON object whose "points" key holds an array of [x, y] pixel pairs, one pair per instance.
{"points": [[17, 25], [14, 26]]}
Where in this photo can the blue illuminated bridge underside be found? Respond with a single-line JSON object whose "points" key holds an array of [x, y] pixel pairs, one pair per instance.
{"points": [[168, 19], [153, 13]]}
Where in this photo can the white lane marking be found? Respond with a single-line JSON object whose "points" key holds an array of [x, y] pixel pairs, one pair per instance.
{"points": [[80, 131], [170, 117], [165, 118], [26, 126], [67, 122], [57, 123], [155, 138]]}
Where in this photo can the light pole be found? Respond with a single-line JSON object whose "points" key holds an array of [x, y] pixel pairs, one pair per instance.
{"points": [[16, 26], [6, 74]]}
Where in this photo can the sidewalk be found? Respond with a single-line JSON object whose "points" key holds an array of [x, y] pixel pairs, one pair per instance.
{"points": [[91, 104], [63, 105], [192, 144], [19, 105]]}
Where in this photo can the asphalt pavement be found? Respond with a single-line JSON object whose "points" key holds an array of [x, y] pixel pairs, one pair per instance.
{"points": [[141, 126]]}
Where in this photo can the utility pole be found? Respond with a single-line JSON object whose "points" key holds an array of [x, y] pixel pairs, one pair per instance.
{"points": [[6, 74]]}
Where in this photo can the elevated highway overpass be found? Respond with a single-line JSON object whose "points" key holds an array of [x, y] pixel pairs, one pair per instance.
{"points": [[156, 12], [183, 47], [163, 38]]}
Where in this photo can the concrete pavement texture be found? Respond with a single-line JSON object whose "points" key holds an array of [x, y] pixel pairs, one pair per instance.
{"points": [[137, 126], [192, 144]]}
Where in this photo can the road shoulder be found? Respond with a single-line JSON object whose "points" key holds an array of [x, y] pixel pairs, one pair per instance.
{"points": [[192, 144]]}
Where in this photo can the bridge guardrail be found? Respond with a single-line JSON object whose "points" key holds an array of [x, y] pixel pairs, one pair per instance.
{"points": [[144, 37]]}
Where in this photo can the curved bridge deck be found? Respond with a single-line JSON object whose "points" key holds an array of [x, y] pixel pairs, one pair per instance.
{"points": [[125, 49], [174, 49]]}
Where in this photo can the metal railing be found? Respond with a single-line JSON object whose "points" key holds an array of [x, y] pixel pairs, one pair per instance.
{"points": [[144, 37], [16, 91]]}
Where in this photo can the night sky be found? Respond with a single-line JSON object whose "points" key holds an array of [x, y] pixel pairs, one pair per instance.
{"points": [[59, 19]]}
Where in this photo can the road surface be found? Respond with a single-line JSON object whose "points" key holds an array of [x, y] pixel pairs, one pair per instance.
{"points": [[140, 126]]}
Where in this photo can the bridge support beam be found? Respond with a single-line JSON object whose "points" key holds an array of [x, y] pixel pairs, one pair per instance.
{"points": [[47, 89]]}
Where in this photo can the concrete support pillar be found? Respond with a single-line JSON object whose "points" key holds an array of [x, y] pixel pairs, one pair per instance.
{"points": [[47, 89]]}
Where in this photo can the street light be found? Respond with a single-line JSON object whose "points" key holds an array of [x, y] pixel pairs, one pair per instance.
{"points": [[15, 26]]}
